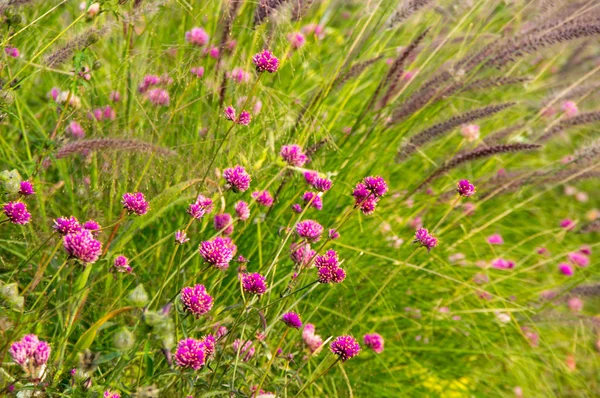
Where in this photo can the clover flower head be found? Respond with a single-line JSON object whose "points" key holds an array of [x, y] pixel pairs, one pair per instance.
{"points": [[196, 300], [345, 347], [309, 230], [196, 36], [292, 320], [425, 239], [237, 178], [254, 283], [242, 210], [263, 198], [83, 246], [465, 188], [293, 155], [217, 252], [265, 61], [190, 353], [135, 203], [17, 213], [374, 341]]}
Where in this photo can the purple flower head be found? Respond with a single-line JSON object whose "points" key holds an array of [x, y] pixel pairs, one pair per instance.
{"points": [[297, 208], [190, 353], [181, 237], [147, 82], [374, 341], [312, 340], [579, 259], [65, 226], [501, 263], [333, 234], [301, 253], [217, 252], [230, 113], [567, 224], [322, 184], [364, 199], [292, 320], [329, 269], [265, 61], [110, 394], [26, 188], [254, 283], [297, 40], [92, 226], [237, 178], [242, 210], [309, 230], [196, 300], [375, 185], [244, 118], [586, 250], [12, 52], [114, 96], [239, 75], [314, 199], [495, 239], [17, 213], [345, 347], [465, 188], [199, 71], [135, 203], [82, 246], [224, 223], [263, 198], [159, 96], [293, 155], [425, 239], [209, 346], [196, 36], [311, 177], [108, 113], [30, 352], [75, 130], [243, 349], [566, 269], [202, 206], [121, 264]]}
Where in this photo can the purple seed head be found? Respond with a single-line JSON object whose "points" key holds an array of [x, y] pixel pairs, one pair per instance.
{"points": [[345, 347], [265, 61], [196, 300], [121, 264], [135, 203], [17, 213], [254, 283], [309, 230], [82, 246], [292, 320], [237, 178], [26, 188], [190, 353], [66, 225], [374, 341], [242, 210], [293, 155], [465, 188], [314, 199], [181, 237], [224, 223], [425, 239], [196, 36], [263, 198], [217, 252]]}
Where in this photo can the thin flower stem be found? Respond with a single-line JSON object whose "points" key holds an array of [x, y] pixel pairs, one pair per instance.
{"points": [[308, 384], [452, 206], [273, 356]]}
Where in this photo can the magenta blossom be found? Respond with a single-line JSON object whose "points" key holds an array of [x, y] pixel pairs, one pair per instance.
{"points": [[135, 203], [566, 269], [196, 300], [297, 40], [196, 36], [292, 320], [159, 96], [224, 223], [244, 118], [311, 177], [501, 263], [75, 130], [322, 184], [200, 207], [199, 71], [495, 239], [293, 155], [314, 199], [579, 259], [301, 253], [567, 224], [17, 213], [26, 188], [254, 283], [32, 354], [237, 178], [217, 252], [265, 61], [345, 347], [263, 198], [297, 208], [92, 226], [149, 81], [329, 269], [374, 341], [364, 199], [465, 188], [82, 246], [121, 264], [12, 52], [375, 185], [243, 349], [65, 226], [181, 237], [333, 234], [312, 340], [242, 210], [425, 239], [190, 353], [309, 230]]}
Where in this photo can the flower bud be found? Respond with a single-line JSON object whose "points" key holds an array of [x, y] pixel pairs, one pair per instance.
{"points": [[138, 296], [123, 340], [93, 10]]}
